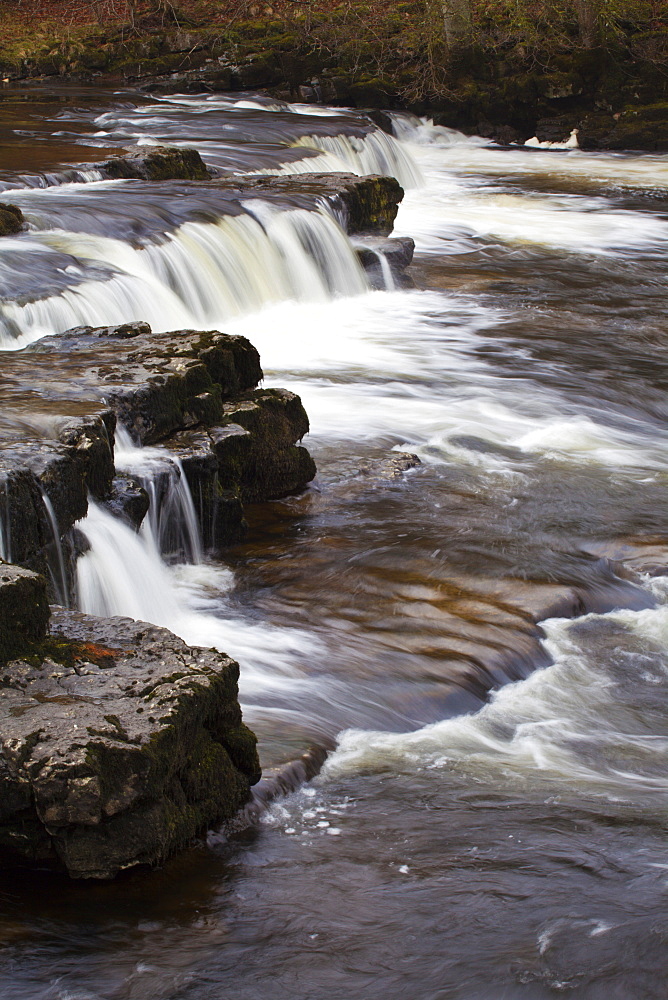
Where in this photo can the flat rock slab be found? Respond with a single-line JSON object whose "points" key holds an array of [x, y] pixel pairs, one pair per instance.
{"points": [[63, 396], [155, 383], [363, 205], [118, 744]]}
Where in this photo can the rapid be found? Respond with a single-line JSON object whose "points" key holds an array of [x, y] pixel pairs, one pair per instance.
{"points": [[479, 642]]}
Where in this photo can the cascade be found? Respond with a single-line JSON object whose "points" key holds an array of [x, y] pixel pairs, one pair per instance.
{"points": [[200, 275], [57, 572], [55, 179], [122, 572], [172, 520], [5, 547], [375, 153]]}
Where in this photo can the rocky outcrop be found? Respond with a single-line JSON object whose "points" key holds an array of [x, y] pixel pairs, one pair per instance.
{"points": [[118, 743], [256, 445], [162, 163], [24, 610], [366, 205], [158, 386], [643, 127], [11, 219]]}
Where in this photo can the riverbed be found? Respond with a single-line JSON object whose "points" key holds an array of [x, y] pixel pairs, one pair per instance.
{"points": [[479, 642]]}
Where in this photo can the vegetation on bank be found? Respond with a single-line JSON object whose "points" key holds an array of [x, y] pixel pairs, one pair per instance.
{"points": [[511, 61]]}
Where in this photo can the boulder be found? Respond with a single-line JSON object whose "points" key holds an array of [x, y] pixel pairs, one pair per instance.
{"points": [[11, 219], [162, 163], [219, 508], [118, 744], [128, 500], [362, 204], [256, 446]]}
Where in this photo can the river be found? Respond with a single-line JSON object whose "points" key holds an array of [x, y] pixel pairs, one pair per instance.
{"points": [[490, 823]]}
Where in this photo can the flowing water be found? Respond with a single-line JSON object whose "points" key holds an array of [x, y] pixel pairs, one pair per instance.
{"points": [[490, 823]]}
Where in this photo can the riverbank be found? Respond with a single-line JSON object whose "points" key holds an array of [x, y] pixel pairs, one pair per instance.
{"points": [[508, 83]]}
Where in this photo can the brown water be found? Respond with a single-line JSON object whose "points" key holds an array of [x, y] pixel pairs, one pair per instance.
{"points": [[456, 845]]}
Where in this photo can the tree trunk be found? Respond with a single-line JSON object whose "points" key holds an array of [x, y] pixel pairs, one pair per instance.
{"points": [[456, 20], [588, 11]]}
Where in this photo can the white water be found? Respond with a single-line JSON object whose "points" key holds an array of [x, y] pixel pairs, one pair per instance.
{"points": [[376, 153], [565, 728], [200, 276], [124, 574], [365, 377], [396, 368], [173, 523], [454, 209], [58, 573]]}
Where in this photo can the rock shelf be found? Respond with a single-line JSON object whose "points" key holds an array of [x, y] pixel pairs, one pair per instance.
{"points": [[119, 742]]}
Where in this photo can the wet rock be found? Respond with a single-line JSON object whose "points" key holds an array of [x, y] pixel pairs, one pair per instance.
{"points": [[390, 468], [632, 127], [119, 743], [380, 118], [24, 611], [256, 446], [153, 383], [219, 510], [396, 251], [362, 204], [505, 135], [11, 219], [128, 501], [45, 484], [159, 387], [162, 163], [369, 204]]}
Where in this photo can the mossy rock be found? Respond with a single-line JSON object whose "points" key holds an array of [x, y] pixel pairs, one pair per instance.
{"points": [[164, 163], [24, 611], [11, 219]]}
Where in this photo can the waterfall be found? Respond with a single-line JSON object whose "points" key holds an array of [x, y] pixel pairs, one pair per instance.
{"points": [[57, 573], [81, 175], [375, 153], [173, 527], [5, 529], [122, 572], [200, 275]]}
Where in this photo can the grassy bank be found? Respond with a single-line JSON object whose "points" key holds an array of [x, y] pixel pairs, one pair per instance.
{"points": [[513, 62]]}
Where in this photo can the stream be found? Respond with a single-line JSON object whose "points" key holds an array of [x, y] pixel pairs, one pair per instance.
{"points": [[490, 821]]}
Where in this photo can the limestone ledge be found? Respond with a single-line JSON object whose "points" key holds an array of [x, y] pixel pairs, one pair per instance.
{"points": [[77, 386], [118, 742]]}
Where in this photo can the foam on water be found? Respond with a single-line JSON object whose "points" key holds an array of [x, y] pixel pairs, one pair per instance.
{"points": [[452, 204], [403, 367], [124, 574], [564, 729], [198, 276]]}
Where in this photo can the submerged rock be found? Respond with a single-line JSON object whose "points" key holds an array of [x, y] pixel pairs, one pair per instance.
{"points": [[119, 743]]}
